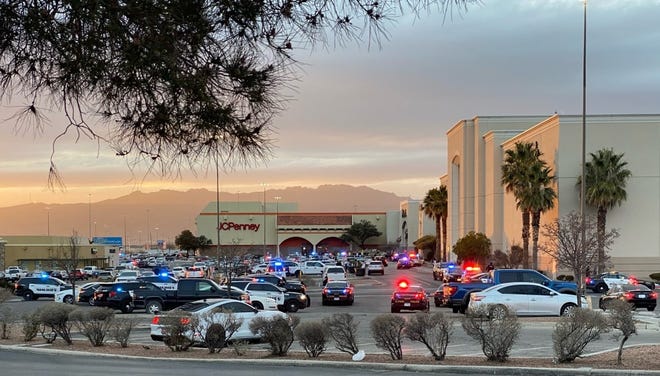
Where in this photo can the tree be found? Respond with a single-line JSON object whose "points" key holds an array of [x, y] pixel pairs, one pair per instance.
{"points": [[427, 244], [435, 207], [606, 175], [359, 232], [473, 247], [527, 176], [189, 242], [66, 258], [174, 82], [564, 245]]}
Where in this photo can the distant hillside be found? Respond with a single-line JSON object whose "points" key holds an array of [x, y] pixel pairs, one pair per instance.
{"points": [[166, 213]]}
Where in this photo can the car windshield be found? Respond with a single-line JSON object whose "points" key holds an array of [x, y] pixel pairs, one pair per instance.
{"points": [[336, 285], [630, 288], [335, 270], [193, 306]]}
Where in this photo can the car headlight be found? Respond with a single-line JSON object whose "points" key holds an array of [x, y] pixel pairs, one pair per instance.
{"points": [[303, 297]]}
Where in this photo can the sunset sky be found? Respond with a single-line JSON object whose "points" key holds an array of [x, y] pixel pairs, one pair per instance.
{"points": [[378, 116]]}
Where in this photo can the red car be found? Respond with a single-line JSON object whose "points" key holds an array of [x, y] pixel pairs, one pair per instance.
{"points": [[77, 275]]}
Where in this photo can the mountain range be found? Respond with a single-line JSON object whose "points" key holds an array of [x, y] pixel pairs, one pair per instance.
{"points": [[140, 217]]}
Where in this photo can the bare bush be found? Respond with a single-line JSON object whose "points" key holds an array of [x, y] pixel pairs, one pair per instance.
{"points": [[342, 328], [431, 330], [574, 332], [7, 318], [121, 330], [5, 294], [621, 318], [31, 325], [94, 323], [313, 337], [497, 334], [240, 347], [178, 330], [278, 332], [387, 331], [215, 338], [55, 316], [215, 341]]}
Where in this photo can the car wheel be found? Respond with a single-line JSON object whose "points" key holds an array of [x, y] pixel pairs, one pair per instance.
{"points": [[454, 309], [498, 312], [428, 308], [568, 309], [323, 302], [437, 304], [292, 307], [68, 299], [28, 295], [394, 310], [601, 288], [350, 302], [258, 305], [650, 308], [298, 274], [127, 308], [91, 301], [153, 307]]}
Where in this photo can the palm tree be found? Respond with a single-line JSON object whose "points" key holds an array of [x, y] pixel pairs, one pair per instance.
{"points": [[539, 198], [606, 175], [514, 178], [435, 207]]}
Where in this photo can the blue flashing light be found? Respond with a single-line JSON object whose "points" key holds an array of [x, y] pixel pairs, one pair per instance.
{"points": [[345, 291], [451, 266], [119, 289], [44, 275], [278, 264], [163, 274]]}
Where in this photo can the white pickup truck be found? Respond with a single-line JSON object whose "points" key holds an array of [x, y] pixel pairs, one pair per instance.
{"points": [[15, 273], [311, 267]]}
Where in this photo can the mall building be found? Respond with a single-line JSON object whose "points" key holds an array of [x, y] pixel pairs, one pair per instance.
{"points": [[279, 228], [478, 201]]}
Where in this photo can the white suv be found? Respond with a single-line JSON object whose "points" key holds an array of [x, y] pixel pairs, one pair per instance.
{"points": [[334, 273], [375, 267]]}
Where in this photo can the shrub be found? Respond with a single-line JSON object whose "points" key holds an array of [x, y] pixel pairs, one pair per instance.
{"points": [[55, 318], [7, 317], [277, 331], [431, 330], [31, 325], [94, 323], [215, 338], [240, 347], [121, 330], [621, 318], [573, 333], [497, 334], [387, 331], [178, 329], [655, 276], [343, 330], [312, 337], [230, 324], [5, 293]]}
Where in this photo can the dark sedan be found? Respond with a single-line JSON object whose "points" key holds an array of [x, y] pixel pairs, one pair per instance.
{"points": [[437, 297], [639, 296], [410, 298], [337, 292]]}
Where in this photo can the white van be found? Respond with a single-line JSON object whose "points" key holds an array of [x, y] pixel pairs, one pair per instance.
{"points": [[90, 270]]}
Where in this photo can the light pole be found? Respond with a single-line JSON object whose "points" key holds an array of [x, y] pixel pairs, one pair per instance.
{"points": [[584, 132], [48, 220], [156, 229], [277, 217], [264, 215], [90, 218], [149, 230]]}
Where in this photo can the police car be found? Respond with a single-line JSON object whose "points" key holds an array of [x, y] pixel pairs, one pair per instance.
{"points": [[163, 280], [33, 288]]}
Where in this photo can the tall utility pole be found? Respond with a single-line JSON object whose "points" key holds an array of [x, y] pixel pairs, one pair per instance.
{"points": [[264, 219], [277, 217], [90, 218], [217, 209], [149, 230]]}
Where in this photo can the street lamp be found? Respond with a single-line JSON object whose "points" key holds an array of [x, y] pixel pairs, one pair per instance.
{"points": [[277, 217], [584, 131], [48, 220]]}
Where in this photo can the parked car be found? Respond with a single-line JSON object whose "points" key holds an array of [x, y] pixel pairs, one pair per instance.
{"points": [[106, 276], [194, 272], [409, 297], [126, 296], [440, 269], [211, 311], [603, 282], [333, 273], [33, 288], [287, 301], [375, 267], [179, 272], [84, 294], [639, 296], [525, 299], [338, 292]]}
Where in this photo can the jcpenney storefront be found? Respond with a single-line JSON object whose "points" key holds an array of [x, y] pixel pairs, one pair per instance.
{"points": [[248, 227]]}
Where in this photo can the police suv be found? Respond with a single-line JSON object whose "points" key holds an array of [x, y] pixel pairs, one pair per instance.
{"points": [[33, 288]]}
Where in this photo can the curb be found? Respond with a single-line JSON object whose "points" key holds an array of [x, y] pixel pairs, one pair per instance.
{"points": [[426, 368]]}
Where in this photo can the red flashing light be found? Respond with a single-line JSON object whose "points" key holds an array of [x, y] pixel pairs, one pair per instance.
{"points": [[403, 284], [155, 320], [654, 295]]}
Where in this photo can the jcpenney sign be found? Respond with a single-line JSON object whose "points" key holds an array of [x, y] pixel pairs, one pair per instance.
{"points": [[226, 226]]}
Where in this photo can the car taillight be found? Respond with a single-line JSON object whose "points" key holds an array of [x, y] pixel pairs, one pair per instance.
{"points": [[419, 296], [112, 294], [185, 320], [654, 295], [587, 280], [155, 320], [325, 291], [476, 298], [449, 290], [629, 295]]}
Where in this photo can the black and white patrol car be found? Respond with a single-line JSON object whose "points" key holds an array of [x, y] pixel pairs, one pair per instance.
{"points": [[43, 286], [163, 280]]}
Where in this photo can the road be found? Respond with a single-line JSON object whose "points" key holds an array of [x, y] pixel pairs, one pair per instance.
{"points": [[372, 299]]}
